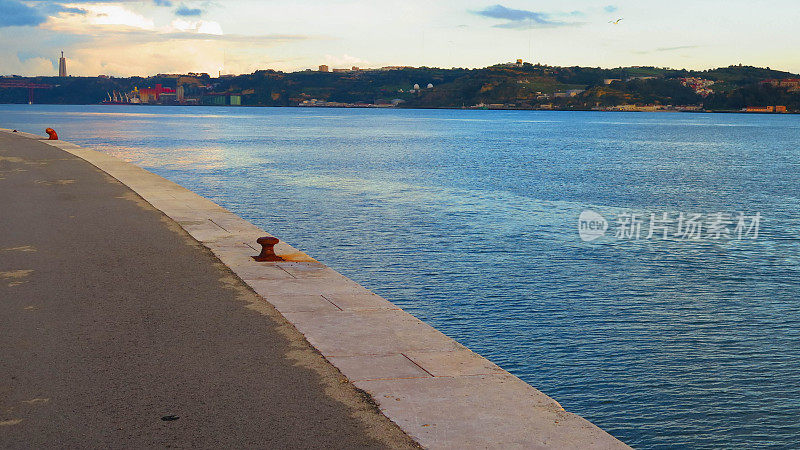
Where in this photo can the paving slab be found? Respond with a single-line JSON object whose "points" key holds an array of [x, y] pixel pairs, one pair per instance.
{"points": [[458, 363], [291, 303], [378, 367], [490, 411], [382, 332], [306, 286], [358, 300]]}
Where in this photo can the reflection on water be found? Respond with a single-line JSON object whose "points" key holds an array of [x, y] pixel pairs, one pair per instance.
{"points": [[467, 219]]}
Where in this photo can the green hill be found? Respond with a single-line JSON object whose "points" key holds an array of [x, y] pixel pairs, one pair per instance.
{"points": [[502, 85]]}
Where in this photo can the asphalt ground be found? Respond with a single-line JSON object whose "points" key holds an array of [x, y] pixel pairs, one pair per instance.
{"points": [[117, 329]]}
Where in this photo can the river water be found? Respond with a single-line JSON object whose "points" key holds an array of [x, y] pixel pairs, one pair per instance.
{"points": [[469, 220]]}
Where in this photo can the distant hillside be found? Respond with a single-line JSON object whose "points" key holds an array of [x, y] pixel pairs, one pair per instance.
{"points": [[523, 86]]}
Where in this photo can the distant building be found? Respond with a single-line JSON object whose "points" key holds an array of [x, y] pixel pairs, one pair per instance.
{"points": [[792, 84], [639, 108], [640, 78], [62, 65], [519, 63], [168, 98], [700, 86], [223, 99], [323, 68], [217, 100], [765, 109], [153, 95], [569, 93], [188, 80]]}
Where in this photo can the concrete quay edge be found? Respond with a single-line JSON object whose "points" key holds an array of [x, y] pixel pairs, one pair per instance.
{"points": [[439, 392]]}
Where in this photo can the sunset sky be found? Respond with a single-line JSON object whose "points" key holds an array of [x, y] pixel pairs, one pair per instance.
{"points": [[239, 36]]}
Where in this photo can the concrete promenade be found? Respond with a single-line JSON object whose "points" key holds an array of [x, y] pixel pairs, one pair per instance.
{"points": [[112, 317], [129, 304]]}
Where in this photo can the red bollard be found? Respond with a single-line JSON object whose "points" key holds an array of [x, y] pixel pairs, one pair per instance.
{"points": [[267, 250], [52, 133]]}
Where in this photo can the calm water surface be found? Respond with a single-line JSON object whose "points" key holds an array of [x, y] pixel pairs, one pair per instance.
{"points": [[468, 220]]}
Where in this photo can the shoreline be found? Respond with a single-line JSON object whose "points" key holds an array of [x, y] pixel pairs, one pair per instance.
{"points": [[787, 113], [438, 391]]}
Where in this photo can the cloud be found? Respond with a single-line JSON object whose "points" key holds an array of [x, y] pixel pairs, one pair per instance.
{"points": [[27, 66], [99, 18], [185, 11], [611, 9], [199, 26], [344, 60], [146, 52], [35, 50], [55, 8], [680, 47], [71, 2], [115, 24], [520, 18], [17, 14], [667, 49], [162, 3], [93, 49], [501, 12]]}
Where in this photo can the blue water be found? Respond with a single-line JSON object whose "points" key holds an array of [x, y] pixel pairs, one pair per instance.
{"points": [[468, 220]]}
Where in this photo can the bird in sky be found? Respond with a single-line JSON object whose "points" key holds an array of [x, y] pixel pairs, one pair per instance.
{"points": [[615, 22]]}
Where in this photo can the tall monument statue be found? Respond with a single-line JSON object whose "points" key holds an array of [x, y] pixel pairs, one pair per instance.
{"points": [[62, 65]]}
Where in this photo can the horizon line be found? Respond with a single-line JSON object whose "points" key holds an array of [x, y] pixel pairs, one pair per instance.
{"points": [[402, 67]]}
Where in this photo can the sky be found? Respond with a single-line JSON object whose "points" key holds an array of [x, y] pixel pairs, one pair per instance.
{"points": [[127, 37]]}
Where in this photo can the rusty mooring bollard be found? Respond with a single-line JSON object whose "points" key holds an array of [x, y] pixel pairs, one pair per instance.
{"points": [[52, 133], [267, 250]]}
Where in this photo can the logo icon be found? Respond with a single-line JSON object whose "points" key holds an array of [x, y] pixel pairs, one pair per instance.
{"points": [[591, 226]]}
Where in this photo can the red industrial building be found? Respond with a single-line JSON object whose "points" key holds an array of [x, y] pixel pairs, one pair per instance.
{"points": [[148, 95]]}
